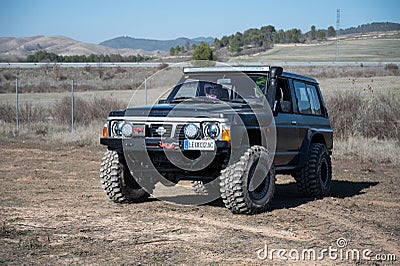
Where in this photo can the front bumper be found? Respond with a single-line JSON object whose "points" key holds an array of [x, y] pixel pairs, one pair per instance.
{"points": [[153, 144]]}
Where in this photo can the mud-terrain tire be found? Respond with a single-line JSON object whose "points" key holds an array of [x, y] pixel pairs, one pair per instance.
{"points": [[314, 179], [198, 187], [206, 189], [236, 182], [117, 181]]}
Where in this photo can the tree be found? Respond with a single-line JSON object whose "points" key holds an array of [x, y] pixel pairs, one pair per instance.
{"points": [[217, 43], [187, 46], [320, 35], [234, 45], [172, 51], [313, 33], [331, 31], [203, 52]]}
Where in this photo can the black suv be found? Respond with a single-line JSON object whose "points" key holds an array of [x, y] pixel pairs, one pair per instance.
{"points": [[233, 128]]}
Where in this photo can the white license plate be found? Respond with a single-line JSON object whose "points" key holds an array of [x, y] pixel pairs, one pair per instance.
{"points": [[199, 145]]}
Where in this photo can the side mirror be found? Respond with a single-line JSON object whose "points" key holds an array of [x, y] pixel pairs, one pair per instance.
{"points": [[162, 101]]}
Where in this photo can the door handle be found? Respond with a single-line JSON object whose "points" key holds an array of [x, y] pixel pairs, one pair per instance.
{"points": [[294, 122]]}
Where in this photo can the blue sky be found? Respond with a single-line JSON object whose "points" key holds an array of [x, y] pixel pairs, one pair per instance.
{"points": [[95, 21]]}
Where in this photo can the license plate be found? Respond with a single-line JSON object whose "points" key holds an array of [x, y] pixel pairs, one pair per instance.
{"points": [[199, 145]]}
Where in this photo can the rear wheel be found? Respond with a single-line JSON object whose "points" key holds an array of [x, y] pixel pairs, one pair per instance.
{"points": [[117, 181], [315, 178], [248, 186]]}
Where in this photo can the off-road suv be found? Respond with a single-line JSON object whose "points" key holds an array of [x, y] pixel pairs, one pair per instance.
{"points": [[233, 128]]}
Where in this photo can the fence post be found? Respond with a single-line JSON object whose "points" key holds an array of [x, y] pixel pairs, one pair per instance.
{"points": [[16, 106], [72, 106], [145, 90]]}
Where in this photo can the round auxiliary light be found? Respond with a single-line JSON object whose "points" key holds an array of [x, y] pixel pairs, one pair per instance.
{"points": [[127, 130], [212, 130], [191, 131]]}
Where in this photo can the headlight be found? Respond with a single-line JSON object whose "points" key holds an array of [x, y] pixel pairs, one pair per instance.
{"points": [[212, 130], [127, 130], [191, 131], [116, 128]]}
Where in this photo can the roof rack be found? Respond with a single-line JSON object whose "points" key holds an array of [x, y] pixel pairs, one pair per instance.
{"points": [[226, 69]]}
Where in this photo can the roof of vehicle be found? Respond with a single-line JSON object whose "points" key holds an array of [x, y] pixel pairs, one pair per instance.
{"points": [[245, 69], [300, 77]]}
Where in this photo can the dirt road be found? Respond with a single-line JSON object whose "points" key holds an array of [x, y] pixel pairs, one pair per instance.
{"points": [[53, 211]]}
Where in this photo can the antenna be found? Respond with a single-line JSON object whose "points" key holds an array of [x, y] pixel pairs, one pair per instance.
{"points": [[337, 33]]}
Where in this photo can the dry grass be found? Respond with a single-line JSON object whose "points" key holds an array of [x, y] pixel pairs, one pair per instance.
{"points": [[81, 136], [52, 124], [368, 150], [56, 79], [365, 114], [363, 103], [85, 111], [360, 71]]}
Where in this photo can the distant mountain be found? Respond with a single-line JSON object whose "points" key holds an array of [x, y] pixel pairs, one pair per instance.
{"points": [[124, 42], [371, 27], [21, 47]]}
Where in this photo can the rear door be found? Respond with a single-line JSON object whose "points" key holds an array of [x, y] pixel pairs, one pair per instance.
{"points": [[313, 117]]}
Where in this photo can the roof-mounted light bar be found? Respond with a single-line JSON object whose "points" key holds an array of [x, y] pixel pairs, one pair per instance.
{"points": [[226, 69]]}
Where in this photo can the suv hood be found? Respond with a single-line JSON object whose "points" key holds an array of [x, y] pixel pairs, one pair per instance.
{"points": [[188, 109]]}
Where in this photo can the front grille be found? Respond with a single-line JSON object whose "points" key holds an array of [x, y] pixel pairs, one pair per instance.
{"points": [[179, 132], [167, 128]]}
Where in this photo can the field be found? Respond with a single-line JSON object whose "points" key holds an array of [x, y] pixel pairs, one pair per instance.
{"points": [[369, 50], [55, 212]]}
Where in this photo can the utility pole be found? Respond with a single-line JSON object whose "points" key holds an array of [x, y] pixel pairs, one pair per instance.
{"points": [[337, 33], [145, 90]]}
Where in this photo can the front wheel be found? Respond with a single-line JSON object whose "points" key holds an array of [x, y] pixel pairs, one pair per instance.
{"points": [[248, 185], [117, 181]]}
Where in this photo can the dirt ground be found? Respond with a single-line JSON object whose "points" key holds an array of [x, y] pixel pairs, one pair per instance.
{"points": [[53, 211]]}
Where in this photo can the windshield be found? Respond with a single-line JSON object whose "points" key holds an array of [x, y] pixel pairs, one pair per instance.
{"points": [[220, 86]]}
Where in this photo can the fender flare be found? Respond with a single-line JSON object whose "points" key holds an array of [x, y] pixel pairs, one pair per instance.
{"points": [[312, 136]]}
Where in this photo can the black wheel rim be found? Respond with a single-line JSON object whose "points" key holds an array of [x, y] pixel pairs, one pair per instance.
{"points": [[258, 182], [324, 172]]}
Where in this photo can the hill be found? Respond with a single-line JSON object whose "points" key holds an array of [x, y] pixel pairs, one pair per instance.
{"points": [[21, 47], [371, 48], [371, 27], [125, 42]]}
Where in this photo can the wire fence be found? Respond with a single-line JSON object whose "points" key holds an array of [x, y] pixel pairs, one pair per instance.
{"points": [[362, 100]]}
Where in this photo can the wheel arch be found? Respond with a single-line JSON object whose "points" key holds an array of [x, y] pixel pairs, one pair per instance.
{"points": [[312, 136]]}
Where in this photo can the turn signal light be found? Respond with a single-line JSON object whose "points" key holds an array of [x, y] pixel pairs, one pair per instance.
{"points": [[105, 131], [226, 135]]}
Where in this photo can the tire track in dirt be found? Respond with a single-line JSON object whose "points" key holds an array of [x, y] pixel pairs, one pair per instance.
{"points": [[267, 231], [378, 237]]}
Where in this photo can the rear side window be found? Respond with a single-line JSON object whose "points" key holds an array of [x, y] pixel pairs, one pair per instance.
{"points": [[307, 98]]}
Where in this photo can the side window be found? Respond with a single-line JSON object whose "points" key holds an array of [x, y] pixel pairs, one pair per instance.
{"points": [[303, 102], [314, 100], [282, 96], [307, 98]]}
